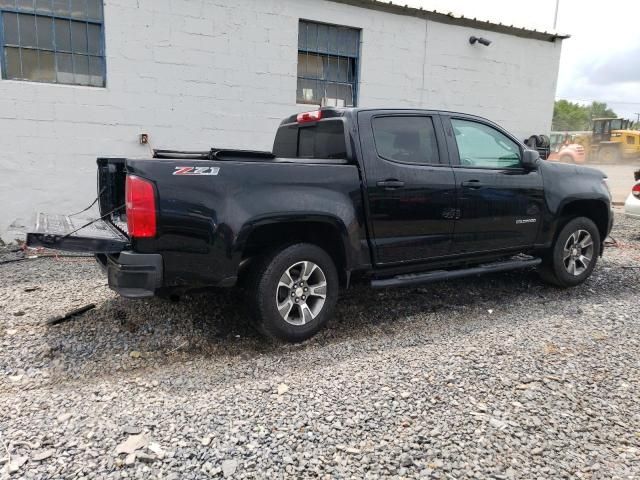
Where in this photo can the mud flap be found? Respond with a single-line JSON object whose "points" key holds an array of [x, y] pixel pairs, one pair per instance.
{"points": [[68, 234]]}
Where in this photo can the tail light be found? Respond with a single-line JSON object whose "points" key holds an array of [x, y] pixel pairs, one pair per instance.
{"points": [[141, 207], [636, 190], [308, 117]]}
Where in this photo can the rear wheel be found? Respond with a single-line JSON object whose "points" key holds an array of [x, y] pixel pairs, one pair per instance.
{"points": [[293, 292], [574, 254]]}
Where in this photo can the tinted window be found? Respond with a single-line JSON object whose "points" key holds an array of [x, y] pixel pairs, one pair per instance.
{"points": [[406, 139], [482, 146], [286, 142], [326, 139]]}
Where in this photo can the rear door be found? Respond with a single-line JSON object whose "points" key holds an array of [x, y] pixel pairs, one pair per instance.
{"points": [[499, 203], [410, 187]]}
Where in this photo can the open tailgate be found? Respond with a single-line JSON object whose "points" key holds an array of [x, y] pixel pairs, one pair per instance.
{"points": [[69, 234]]}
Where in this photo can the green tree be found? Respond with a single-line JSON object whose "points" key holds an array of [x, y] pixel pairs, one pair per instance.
{"points": [[570, 116]]}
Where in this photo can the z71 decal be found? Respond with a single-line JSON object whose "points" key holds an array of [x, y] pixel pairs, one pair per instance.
{"points": [[197, 171]]}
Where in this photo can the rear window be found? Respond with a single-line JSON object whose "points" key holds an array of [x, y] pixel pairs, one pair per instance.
{"points": [[326, 139]]}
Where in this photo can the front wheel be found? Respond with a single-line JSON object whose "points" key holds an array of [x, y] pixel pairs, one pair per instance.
{"points": [[574, 254], [293, 292]]}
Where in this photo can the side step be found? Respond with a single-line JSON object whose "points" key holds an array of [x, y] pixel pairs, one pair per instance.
{"points": [[438, 275]]}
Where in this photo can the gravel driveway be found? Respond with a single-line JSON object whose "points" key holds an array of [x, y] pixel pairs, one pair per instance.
{"points": [[494, 377]]}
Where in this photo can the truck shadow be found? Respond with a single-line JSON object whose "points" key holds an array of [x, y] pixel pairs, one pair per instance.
{"points": [[122, 336]]}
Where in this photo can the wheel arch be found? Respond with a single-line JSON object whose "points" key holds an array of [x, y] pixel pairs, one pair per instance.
{"points": [[325, 231], [593, 209]]}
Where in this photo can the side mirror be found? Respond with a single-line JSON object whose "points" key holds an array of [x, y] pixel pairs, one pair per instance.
{"points": [[530, 159]]}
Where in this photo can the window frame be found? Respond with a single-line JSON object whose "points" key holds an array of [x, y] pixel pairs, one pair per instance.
{"points": [[53, 16], [354, 84], [453, 144], [442, 156]]}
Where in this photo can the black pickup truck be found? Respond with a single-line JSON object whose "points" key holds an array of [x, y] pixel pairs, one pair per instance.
{"points": [[382, 196]]}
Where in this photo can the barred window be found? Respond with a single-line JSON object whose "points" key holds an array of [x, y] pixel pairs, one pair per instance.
{"points": [[327, 64], [53, 41]]}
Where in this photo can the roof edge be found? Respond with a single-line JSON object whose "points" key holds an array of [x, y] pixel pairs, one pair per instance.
{"points": [[451, 19]]}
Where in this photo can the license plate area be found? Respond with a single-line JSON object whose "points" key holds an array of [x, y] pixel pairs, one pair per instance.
{"points": [[60, 232]]}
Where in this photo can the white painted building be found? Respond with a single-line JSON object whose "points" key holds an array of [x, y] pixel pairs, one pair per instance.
{"points": [[79, 81]]}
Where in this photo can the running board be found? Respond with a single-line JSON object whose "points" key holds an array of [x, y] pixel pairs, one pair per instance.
{"points": [[437, 275]]}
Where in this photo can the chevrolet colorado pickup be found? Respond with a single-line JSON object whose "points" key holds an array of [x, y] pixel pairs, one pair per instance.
{"points": [[382, 196]]}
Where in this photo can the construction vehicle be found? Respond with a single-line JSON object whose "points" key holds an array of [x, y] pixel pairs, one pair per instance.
{"points": [[612, 140]]}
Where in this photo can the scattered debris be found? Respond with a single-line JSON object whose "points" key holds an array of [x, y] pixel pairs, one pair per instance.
{"points": [[156, 449], [283, 388], [20, 313], [229, 467], [42, 455], [206, 441], [499, 424], [64, 417], [70, 315], [31, 289], [135, 354], [15, 463], [133, 443], [182, 345], [145, 457]]}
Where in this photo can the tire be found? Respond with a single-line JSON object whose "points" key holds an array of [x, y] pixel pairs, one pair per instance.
{"points": [[562, 271], [271, 283], [545, 141], [609, 155]]}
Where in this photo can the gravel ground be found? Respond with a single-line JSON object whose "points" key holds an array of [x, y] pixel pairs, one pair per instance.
{"points": [[494, 377]]}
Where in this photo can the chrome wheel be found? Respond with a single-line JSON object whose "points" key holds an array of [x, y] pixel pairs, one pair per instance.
{"points": [[301, 293], [578, 252]]}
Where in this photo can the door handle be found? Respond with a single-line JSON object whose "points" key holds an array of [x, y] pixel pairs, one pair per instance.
{"points": [[473, 184], [391, 184]]}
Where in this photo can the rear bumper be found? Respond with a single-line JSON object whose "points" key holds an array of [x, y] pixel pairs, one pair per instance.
{"points": [[133, 275]]}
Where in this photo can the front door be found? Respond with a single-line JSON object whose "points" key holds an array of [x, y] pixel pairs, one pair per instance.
{"points": [[410, 186], [500, 204]]}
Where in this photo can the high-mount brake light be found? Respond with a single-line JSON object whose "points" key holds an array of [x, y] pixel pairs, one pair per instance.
{"points": [[636, 190], [141, 207], [308, 117]]}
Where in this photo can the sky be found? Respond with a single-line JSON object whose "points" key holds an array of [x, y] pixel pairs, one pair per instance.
{"points": [[601, 60]]}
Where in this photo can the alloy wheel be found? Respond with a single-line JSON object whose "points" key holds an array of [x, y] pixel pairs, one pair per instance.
{"points": [[578, 252], [301, 293]]}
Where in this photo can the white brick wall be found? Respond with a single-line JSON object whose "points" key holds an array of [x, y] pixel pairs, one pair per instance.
{"points": [[202, 73]]}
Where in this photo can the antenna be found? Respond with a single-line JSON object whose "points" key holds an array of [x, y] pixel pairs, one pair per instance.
{"points": [[555, 17]]}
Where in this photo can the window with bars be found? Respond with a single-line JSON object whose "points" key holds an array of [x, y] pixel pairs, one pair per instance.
{"points": [[53, 41], [327, 64]]}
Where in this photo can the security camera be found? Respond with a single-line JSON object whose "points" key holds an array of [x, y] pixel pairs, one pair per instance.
{"points": [[480, 40]]}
